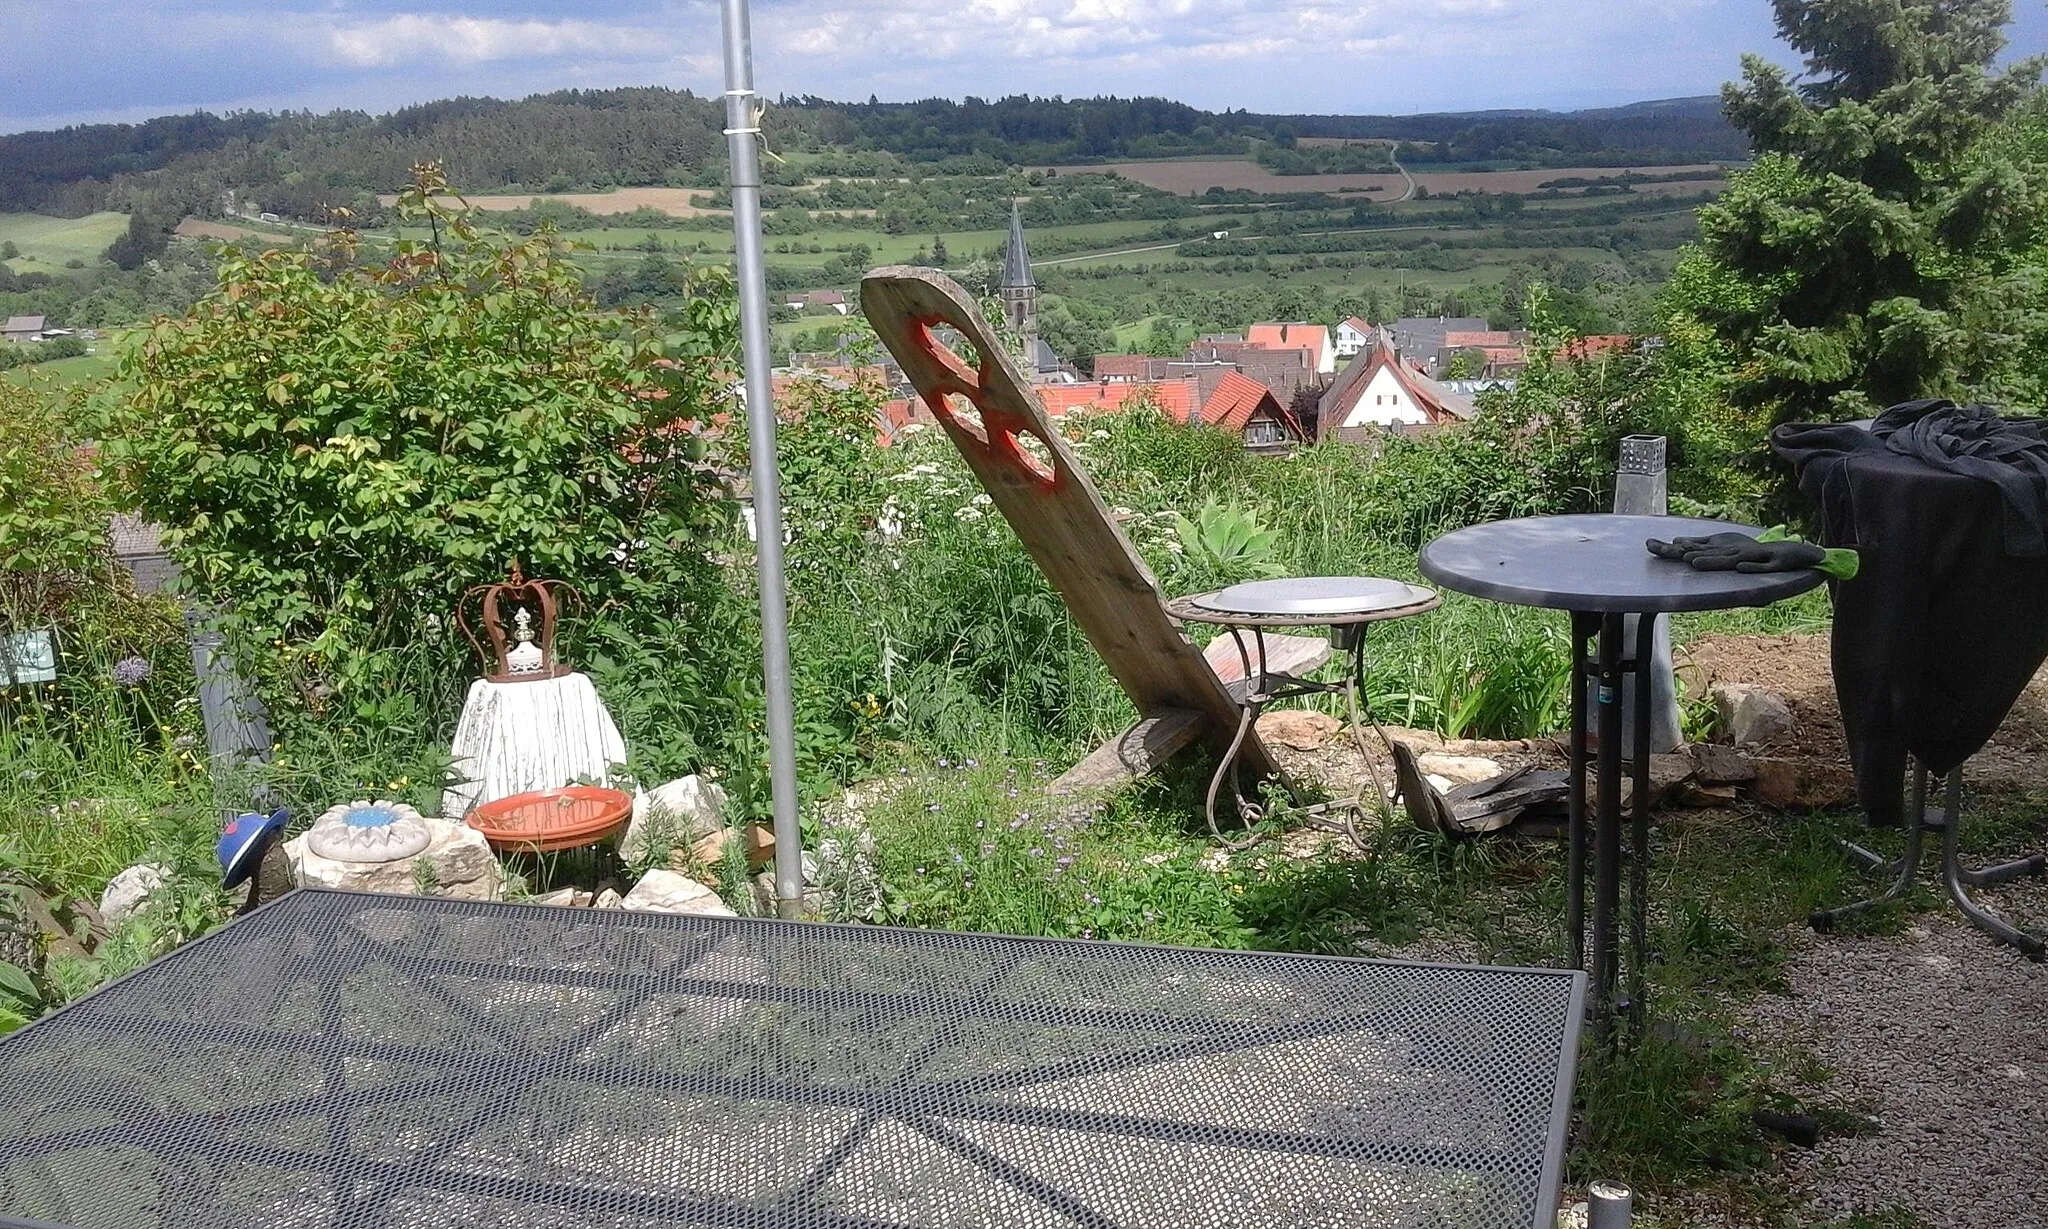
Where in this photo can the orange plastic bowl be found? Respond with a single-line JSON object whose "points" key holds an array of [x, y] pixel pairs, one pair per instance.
{"points": [[550, 819]]}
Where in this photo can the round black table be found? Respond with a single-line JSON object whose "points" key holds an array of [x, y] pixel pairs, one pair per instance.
{"points": [[1596, 567]]}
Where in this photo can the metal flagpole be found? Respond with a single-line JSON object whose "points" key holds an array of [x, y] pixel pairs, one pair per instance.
{"points": [[742, 132]]}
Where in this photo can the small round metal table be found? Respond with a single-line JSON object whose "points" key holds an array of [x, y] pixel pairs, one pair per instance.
{"points": [[1596, 567], [1345, 605]]}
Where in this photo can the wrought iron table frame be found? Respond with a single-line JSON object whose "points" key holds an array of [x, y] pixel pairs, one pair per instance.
{"points": [[1260, 687]]}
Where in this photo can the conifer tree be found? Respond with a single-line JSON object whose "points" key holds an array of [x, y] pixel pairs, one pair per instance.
{"points": [[1874, 251]]}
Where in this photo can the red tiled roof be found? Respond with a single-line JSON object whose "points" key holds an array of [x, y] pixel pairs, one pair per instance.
{"points": [[1176, 397], [1236, 399], [1123, 366], [1477, 341], [1358, 324], [1313, 338], [1597, 346]]}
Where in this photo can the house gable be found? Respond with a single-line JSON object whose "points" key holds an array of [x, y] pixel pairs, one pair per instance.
{"points": [[1385, 402]]}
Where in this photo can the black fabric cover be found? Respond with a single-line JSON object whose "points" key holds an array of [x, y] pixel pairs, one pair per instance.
{"points": [[2010, 454], [1942, 627]]}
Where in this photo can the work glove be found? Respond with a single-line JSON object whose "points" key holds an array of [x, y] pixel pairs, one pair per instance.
{"points": [[1738, 552]]}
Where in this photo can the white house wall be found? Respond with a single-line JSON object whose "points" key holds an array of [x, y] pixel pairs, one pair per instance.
{"points": [[1384, 402]]}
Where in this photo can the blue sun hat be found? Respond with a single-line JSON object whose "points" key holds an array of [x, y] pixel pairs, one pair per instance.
{"points": [[243, 843]]}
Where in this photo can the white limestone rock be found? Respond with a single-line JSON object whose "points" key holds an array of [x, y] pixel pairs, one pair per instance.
{"points": [[1751, 714], [1459, 769], [673, 816], [128, 893], [665, 891], [457, 862]]}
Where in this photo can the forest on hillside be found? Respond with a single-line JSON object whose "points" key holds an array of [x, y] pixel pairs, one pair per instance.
{"points": [[299, 164]]}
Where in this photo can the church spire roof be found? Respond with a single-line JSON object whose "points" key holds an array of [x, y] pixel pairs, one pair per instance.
{"points": [[1016, 258]]}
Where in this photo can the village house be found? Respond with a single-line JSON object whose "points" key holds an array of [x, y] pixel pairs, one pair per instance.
{"points": [[831, 299], [22, 328], [1424, 336], [1353, 335], [1312, 339], [1492, 352], [1379, 391], [1219, 396]]}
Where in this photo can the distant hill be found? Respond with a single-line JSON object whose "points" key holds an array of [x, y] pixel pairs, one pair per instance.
{"points": [[300, 165], [1670, 130]]}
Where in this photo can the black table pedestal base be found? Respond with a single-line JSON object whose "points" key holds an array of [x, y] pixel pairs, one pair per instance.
{"points": [[1956, 880], [1606, 670]]}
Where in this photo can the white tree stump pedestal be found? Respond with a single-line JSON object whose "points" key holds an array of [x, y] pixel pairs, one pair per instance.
{"points": [[516, 737]]}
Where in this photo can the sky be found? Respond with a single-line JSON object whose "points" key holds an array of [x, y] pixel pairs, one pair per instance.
{"points": [[130, 59]]}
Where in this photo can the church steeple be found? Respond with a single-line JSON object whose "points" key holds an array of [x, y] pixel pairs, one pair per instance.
{"points": [[1016, 257], [1018, 291]]}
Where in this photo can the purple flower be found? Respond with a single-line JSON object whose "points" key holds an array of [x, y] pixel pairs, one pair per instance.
{"points": [[1036, 852], [981, 823], [934, 807], [920, 870], [944, 762], [1065, 859], [970, 762], [131, 671]]}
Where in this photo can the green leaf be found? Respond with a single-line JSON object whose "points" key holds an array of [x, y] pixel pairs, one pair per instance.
{"points": [[17, 982]]}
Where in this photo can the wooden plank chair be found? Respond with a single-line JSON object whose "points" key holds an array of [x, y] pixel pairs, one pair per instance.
{"points": [[1034, 480]]}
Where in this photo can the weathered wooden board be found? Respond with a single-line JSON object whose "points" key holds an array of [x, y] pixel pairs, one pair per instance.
{"points": [[1155, 739], [1048, 499], [1285, 654]]}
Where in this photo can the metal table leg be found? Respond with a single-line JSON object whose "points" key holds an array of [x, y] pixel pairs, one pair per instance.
{"points": [[1250, 706], [1901, 869], [1955, 879], [1639, 820], [1584, 628], [1264, 686], [1607, 823]]}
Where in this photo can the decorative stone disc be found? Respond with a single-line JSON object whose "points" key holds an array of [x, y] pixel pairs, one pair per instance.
{"points": [[369, 832]]}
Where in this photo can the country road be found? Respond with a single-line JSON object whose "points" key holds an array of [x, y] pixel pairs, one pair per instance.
{"points": [[1394, 156]]}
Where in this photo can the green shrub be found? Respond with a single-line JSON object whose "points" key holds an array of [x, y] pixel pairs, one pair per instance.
{"points": [[53, 508], [339, 448]]}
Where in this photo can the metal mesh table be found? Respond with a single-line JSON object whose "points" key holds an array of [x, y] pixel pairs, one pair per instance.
{"points": [[343, 1060]]}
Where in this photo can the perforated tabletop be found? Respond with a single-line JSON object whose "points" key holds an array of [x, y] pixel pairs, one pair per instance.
{"points": [[341, 1060]]}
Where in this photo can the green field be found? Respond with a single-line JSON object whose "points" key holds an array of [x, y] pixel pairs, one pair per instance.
{"points": [[46, 242], [66, 372]]}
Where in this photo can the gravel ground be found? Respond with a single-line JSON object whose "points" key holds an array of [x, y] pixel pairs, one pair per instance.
{"points": [[1941, 1037]]}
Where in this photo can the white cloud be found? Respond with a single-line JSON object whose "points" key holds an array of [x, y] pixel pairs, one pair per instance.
{"points": [[482, 40], [901, 36]]}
